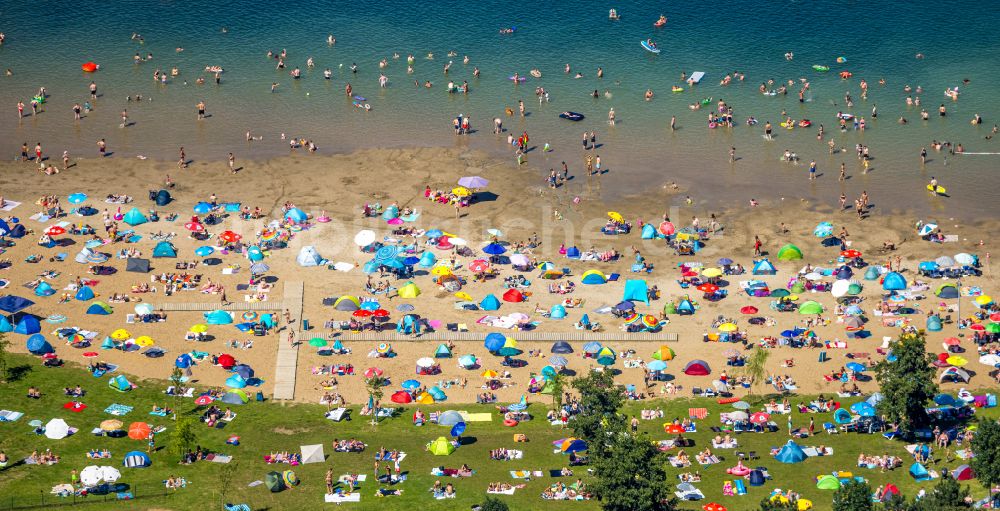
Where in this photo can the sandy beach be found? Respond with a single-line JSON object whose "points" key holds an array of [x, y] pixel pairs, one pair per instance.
{"points": [[514, 202]]}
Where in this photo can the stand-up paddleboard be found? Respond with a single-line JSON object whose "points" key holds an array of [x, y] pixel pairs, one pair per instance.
{"points": [[940, 190], [696, 77], [651, 49]]}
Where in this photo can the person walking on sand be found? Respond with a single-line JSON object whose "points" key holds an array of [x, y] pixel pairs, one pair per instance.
{"points": [[756, 245], [65, 163], [232, 163]]}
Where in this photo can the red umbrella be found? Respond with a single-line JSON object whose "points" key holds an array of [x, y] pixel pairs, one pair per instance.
{"points": [[714, 506], [952, 341], [55, 230], [361, 313], [194, 226], [479, 266], [978, 327], [380, 313], [372, 372], [444, 244], [995, 316], [851, 253], [90, 354], [708, 288], [749, 309], [226, 361], [690, 273], [203, 400], [666, 228], [230, 237], [49, 356], [759, 418]]}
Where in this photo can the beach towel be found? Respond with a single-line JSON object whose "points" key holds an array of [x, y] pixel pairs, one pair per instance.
{"points": [[509, 491], [9, 205], [359, 479], [523, 474], [118, 410], [218, 458], [337, 498], [10, 416], [476, 417], [812, 451], [697, 413]]}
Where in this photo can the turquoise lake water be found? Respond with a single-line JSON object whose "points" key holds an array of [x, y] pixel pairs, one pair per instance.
{"points": [[48, 40]]}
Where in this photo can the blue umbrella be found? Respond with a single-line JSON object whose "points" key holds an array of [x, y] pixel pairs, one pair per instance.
{"points": [[473, 182], [458, 429], [626, 305], [434, 233], [725, 260], [411, 385], [204, 251], [467, 360], [369, 305], [394, 263], [856, 367], [592, 347], [386, 253], [202, 207], [370, 267], [944, 400], [259, 268], [77, 198], [509, 352], [863, 409], [657, 365], [558, 360], [410, 261], [494, 249], [494, 341]]}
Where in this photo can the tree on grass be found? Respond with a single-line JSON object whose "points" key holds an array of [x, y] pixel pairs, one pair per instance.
{"points": [[756, 366], [4, 347], [492, 504], [557, 383], [907, 384], [986, 447], [176, 377], [184, 436], [374, 386], [853, 496], [630, 476], [226, 475], [778, 505], [947, 495], [600, 400]]}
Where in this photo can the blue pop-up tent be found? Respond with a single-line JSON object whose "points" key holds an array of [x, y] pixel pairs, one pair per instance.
{"points": [[636, 291], [790, 453], [490, 303], [37, 345], [164, 249], [28, 325], [85, 293], [764, 267], [13, 304], [893, 281]]}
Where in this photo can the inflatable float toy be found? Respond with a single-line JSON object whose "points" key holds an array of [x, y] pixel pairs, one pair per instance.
{"points": [[739, 470], [510, 423], [660, 22], [519, 78], [572, 116], [845, 75], [820, 68], [676, 89], [38, 99], [939, 190], [613, 15], [89, 67], [805, 123], [214, 69], [788, 125], [650, 47], [841, 60], [536, 73], [508, 31], [845, 117], [249, 316], [365, 106], [706, 101]]}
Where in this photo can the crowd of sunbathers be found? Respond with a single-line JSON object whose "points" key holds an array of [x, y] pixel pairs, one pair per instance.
{"points": [[560, 491], [46, 457], [886, 461], [503, 454], [99, 454], [283, 457]]}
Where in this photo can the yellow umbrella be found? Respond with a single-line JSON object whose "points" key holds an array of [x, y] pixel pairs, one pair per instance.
{"points": [[616, 217], [489, 373], [727, 327], [711, 272], [441, 271], [461, 191], [793, 297], [144, 341], [463, 296], [956, 361], [121, 334], [199, 328], [984, 300], [111, 425]]}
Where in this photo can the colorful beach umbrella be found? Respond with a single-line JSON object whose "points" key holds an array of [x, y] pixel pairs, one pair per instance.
{"points": [[76, 198], [708, 288], [194, 227], [372, 372], [749, 309], [728, 327], [473, 182]]}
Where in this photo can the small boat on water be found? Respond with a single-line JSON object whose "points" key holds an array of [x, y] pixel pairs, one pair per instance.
{"points": [[650, 46]]}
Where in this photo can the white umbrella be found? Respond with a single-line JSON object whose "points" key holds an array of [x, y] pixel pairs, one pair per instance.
{"points": [[813, 276], [110, 474], [518, 316], [91, 475], [990, 360], [364, 238], [495, 232], [425, 362], [840, 288], [740, 416], [964, 258], [144, 308], [458, 242], [519, 260], [56, 429]]}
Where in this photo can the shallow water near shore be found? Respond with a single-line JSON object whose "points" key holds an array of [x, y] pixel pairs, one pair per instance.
{"points": [[47, 42]]}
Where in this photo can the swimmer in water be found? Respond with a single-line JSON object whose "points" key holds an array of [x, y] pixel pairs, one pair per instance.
{"points": [[331, 40]]}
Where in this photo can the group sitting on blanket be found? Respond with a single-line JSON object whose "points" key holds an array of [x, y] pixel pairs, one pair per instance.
{"points": [[688, 477], [440, 491], [74, 392], [348, 445], [190, 457], [883, 462], [214, 414], [283, 457], [499, 487], [705, 457], [161, 410], [99, 454], [386, 455], [502, 454], [43, 458], [486, 397], [560, 491]]}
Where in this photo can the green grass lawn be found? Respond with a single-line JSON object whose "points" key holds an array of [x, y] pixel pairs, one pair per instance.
{"points": [[267, 427]]}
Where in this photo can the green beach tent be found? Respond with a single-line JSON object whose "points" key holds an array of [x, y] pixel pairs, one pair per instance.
{"points": [[441, 447], [789, 252], [811, 307]]}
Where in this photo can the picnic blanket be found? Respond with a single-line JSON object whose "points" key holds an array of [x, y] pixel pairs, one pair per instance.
{"points": [[697, 413], [509, 491], [360, 478], [218, 458], [10, 416], [337, 498], [9, 205], [813, 451], [525, 474], [118, 410]]}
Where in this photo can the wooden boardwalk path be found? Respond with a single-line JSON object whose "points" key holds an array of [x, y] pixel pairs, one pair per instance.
{"points": [[286, 366], [519, 336]]}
